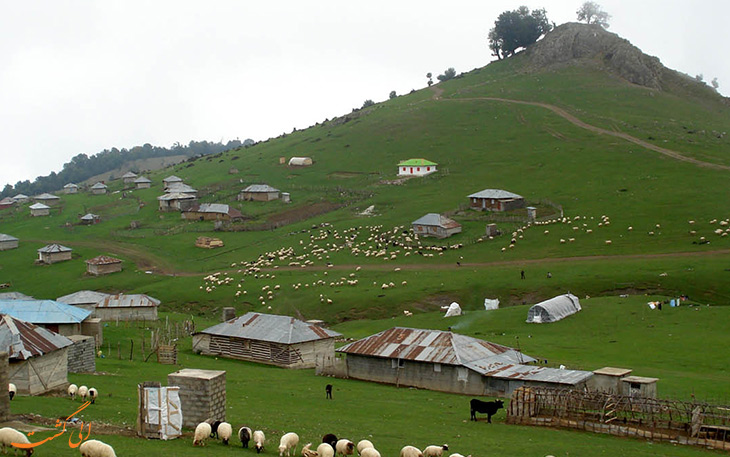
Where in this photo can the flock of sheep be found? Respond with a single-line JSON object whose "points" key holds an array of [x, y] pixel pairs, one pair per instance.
{"points": [[331, 446]]}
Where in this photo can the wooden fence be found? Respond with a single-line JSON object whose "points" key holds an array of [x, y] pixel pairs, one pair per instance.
{"points": [[158, 338]]}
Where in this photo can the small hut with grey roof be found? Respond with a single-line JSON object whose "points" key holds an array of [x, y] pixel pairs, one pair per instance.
{"points": [[176, 201], [71, 188], [53, 253], [47, 199], [259, 192], [129, 177], [495, 200], [267, 338], [90, 219], [7, 242], [212, 212], [142, 183], [38, 356], [98, 188], [172, 179], [39, 209], [21, 198], [449, 362], [103, 265], [434, 224], [127, 307]]}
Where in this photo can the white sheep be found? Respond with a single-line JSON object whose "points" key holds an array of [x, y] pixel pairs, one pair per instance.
{"points": [[93, 393], [410, 451], [83, 392], [12, 390], [225, 431], [344, 447], [202, 433], [307, 452], [8, 436], [96, 448], [259, 440], [435, 451], [287, 443], [325, 450], [370, 452], [72, 389], [363, 444], [608, 241]]}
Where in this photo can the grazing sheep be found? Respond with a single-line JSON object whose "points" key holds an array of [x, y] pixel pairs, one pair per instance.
{"points": [[225, 431], [330, 439], [435, 451], [608, 241], [72, 389], [370, 452], [214, 424], [83, 392], [93, 393], [244, 434], [10, 435], [12, 390], [410, 451], [345, 447], [96, 448], [288, 442], [458, 455], [202, 433], [259, 439], [307, 452], [325, 450], [362, 445]]}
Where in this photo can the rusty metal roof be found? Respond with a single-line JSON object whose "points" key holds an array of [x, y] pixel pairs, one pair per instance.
{"points": [[270, 327], [103, 260], [499, 367], [128, 301], [24, 340], [43, 311], [434, 346]]}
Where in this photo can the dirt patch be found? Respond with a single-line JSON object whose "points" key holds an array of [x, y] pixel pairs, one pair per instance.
{"points": [[303, 212], [104, 429], [345, 174]]}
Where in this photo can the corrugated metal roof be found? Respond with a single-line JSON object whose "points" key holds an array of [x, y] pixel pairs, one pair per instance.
{"points": [[499, 367], [172, 178], [176, 196], [270, 327], [24, 340], [180, 187], [71, 186], [497, 194], [43, 311], [51, 248], [46, 196], [255, 188], [103, 260], [128, 301], [99, 185], [4, 237], [89, 217], [129, 174], [39, 206], [435, 219], [7, 201], [430, 346], [15, 296], [20, 197], [142, 179], [82, 297], [416, 163]]}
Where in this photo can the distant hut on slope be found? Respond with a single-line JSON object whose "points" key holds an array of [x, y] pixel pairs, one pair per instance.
{"points": [[128, 177], [259, 192], [7, 242], [142, 183], [103, 265], [434, 224], [53, 253]]}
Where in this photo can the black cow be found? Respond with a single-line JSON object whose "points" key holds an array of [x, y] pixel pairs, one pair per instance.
{"points": [[485, 407]]}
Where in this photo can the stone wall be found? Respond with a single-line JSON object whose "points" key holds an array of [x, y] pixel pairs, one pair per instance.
{"points": [[81, 355], [202, 394], [4, 399]]}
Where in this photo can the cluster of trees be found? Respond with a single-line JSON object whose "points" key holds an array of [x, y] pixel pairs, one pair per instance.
{"points": [[83, 167]]}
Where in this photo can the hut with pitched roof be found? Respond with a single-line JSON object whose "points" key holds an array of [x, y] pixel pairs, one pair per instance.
{"points": [[103, 265], [259, 193], [434, 224], [53, 253], [495, 200], [7, 242], [39, 209]]}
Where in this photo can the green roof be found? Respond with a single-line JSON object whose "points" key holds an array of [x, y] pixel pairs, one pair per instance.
{"points": [[416, 163]]}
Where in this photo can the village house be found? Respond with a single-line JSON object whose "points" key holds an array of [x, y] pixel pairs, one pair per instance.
{"points": [[259, 192], [127, 307], [7, 242], [52, 315], [90, 219], [21, 198], [39, 209], [53, 253], [128, 177], [86, 299], [434, 224], [181, 188], [71, 188], [7, 203], [495, 200], [176, 201], [172, 179], [300, 161], [38, 357], [449, 362], [212, 212], [103, 265], [47, 199], [98, 188], [267, 338], [416, 167], [142, 183]]}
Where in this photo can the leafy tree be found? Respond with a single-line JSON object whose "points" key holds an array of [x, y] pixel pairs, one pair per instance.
{"points": [[700, 77], [517, 29], [430, 81], [367, 103], [450, 73], [715, 83], [392, 95], [592, 13]]}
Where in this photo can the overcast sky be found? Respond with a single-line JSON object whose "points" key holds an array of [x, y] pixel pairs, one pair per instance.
{"points": [[82, 76]]}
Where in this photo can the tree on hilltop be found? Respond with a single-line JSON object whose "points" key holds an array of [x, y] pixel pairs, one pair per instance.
{"points": [[430, 81], [517, 29], [450, 73], [592, 13]]}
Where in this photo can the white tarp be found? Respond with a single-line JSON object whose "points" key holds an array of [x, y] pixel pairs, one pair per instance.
{"points": [[454, 310], [490, 304], [163, 410]]}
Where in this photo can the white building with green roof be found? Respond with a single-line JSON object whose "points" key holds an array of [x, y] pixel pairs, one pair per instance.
{"points": [[416, 167]]}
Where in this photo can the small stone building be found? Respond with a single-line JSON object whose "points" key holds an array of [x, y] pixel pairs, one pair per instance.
{"points": [[202, 394], [212, 212], [259, 192], [39, 209], [21, 198], [38, 357], [127, 307], [416, 167], [176, 201], [267, 338], [7, 242], [434, 224], [103, 265], [82, 354], [90, 219], [172, 179], [142, 183], [495, 200], [53, 253], [128, 177], [71, 188], [7, 203], [181, 188], [98, 188], [47, 199]]}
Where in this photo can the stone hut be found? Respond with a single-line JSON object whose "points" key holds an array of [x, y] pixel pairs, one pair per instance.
{"points": [[53, 253], [142, 183], [98, 188], [259, 192], [47, 199], [127, 307], [39, 209], [202, 394], [212, 212], [176, 201], [128, 177], [172, 179], [21, 198], [103, 265], [7, 242], [495, 200], [71, 188], [434, 224], [85, 299], [90, 219]]}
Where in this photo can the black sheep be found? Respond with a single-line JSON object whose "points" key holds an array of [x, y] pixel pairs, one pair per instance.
{"points": [[330, 439], [244, 434]]}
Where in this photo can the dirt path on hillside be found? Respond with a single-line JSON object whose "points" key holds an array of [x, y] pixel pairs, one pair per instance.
{"points": [[578, 123]]}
